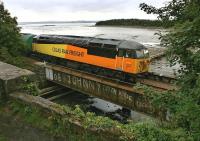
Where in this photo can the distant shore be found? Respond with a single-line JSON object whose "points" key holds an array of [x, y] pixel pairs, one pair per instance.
{"points": [[131, 26], [135, 23]]}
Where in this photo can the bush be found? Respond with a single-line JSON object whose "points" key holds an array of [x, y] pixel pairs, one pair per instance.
{"points": [[10, 41]]}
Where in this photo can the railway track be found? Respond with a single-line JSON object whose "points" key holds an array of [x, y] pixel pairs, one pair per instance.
{"points": [[158, 81]]}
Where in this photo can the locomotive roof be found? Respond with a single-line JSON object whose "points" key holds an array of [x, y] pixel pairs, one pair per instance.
{"points": [[121, 44]]}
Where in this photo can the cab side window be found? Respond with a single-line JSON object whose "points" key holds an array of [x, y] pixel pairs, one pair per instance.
{"points": [[130, 54]]}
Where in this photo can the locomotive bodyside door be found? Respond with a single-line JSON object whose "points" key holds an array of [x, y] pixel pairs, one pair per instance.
{"points": [[120, 60]]}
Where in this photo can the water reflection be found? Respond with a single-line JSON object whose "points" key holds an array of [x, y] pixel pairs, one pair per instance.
{"points": [[102, 108]]}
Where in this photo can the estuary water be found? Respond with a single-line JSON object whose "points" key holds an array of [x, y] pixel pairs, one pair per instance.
{"points": [[142, 35]]}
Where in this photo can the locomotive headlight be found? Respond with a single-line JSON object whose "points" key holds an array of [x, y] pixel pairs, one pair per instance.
{"points": [[146, 51]]}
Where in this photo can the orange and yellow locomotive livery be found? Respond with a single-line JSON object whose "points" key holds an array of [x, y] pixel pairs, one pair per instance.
{"points": [[121, 55]]}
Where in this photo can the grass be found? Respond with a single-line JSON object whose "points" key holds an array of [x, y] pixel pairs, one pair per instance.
{"points": [[50, 123], [2, 138], [77, 125]]}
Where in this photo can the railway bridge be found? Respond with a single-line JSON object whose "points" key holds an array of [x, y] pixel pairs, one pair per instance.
{"points": [[118, 92]]}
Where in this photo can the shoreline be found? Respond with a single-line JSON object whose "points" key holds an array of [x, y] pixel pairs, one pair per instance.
{"points": [[122, 26]]}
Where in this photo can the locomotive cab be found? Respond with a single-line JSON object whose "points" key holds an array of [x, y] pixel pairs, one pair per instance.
{"points": [[136, 54], [142, 63], [132, 57]]}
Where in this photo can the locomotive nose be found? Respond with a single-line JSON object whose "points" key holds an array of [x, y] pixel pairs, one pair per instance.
{"points": [[147, 62], [143, 66]]}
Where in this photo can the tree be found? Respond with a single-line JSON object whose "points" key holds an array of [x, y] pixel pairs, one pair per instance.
{"points": [[183, 40], [10, 39], [183, 43]]}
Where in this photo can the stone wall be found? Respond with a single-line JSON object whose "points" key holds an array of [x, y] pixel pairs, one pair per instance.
{"points": [[11, 78]]}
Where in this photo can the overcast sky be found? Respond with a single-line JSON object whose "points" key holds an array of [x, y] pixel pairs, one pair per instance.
{"points": [[72, 10]]}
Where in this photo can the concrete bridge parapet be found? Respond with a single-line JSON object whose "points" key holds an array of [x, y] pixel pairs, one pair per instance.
{"points": [[11, 78]]}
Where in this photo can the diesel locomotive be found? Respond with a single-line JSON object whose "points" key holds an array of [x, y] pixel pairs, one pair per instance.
{"points": [[126, 57]]}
